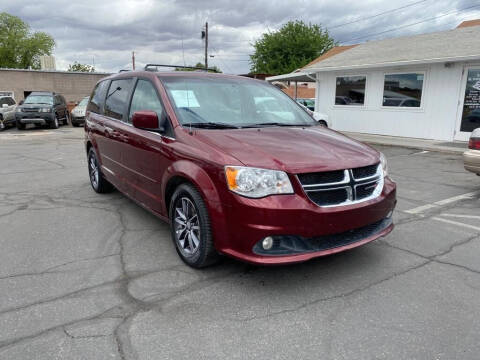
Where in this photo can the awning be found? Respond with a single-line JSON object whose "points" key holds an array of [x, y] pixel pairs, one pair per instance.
{"points": [[295, 76]]}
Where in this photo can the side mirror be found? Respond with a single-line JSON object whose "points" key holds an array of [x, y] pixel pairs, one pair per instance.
{"points": [[147, 120], [4, 105]]}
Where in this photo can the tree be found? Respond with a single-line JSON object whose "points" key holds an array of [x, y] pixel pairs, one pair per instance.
{"points": [[19, 47], [291, 47], [80, 67], [200, 66]]}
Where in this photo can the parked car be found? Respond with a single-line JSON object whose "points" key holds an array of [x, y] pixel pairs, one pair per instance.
{"points": [[309, 103], [233, 175], [318, 116], [471, 157], [78, 112], [401, 102], [42, 108], [7, 112]]}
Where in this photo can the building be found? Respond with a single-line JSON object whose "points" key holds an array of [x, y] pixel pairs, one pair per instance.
{"points": [[423, 86], [73, 85]]}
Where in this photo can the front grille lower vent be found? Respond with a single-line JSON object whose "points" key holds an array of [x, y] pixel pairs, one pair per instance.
{"points": [[343, 187]]}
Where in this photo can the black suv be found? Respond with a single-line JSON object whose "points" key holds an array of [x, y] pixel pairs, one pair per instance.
{"points": [[42, 108]]}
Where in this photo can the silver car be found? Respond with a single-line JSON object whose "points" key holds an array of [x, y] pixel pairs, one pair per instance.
{"points": [[471, 157], [7, 112], [78, 112]]}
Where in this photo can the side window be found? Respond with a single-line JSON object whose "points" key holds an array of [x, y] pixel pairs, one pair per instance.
{"points": [[97, 97], [12, 102], [145, 98], [3, 101], [62, 100], [117, 97]]}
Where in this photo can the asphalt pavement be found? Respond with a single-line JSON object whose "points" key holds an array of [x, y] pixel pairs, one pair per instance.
{"points": [[89, 276]]}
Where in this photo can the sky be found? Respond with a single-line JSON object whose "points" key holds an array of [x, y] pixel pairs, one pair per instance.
{"points": [[105, 32]]}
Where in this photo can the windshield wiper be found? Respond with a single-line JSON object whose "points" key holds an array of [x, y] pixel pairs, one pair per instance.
{"points": [[210, 125], [275, 124]]}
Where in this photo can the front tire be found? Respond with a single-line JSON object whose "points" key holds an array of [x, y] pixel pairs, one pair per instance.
{"points": [[20, 126], [54, 123], [191, 228], [97, 180], [65, 122]]}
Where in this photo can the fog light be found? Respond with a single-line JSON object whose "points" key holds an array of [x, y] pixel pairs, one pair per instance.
{"points": [[267, 243]]}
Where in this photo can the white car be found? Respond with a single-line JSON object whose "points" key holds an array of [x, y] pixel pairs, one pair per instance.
{"points": [[320, 117], [7, 111], [78, 112]]}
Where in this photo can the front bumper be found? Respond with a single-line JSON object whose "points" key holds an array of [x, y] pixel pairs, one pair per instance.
{"points": [[34, 118], [78, 119], [319, 231], [471, 160]]}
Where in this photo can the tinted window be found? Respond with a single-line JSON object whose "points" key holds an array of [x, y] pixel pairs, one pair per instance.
{"points": [[12, 102], [350, 90], [403, 90], [3, 101], [145, 98], [117, 97], [98, 96]]}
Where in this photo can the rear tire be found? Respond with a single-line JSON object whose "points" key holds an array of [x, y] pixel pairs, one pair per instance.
{"points": [[97, 180], [65, 122], [75, 124], [191, 228]]}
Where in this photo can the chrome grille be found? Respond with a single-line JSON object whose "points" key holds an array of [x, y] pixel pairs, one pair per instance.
{"points": [[30, 109], [343, 187]]}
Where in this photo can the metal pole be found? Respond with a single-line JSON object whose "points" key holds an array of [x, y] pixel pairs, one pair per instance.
{"points": [[295, 90], [206, 45], [133, 60]]}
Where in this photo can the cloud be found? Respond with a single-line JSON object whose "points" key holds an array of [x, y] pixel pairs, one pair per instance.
{"points": [[105, 32]]}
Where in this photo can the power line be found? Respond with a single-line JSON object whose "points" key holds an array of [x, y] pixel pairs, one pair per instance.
{"points": [[376, 15], [408, 25]]}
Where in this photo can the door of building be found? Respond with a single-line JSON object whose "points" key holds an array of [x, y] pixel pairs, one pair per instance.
{"points": [[469, 104]]}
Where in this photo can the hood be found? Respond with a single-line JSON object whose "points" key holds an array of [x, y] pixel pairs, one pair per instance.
{"points": [[294, 150]]}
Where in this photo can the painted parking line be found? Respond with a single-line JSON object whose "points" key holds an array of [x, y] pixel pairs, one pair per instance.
{"points": [[443, 202], [451, 222], [462, 216]]}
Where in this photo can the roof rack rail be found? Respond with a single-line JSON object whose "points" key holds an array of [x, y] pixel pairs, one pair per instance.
{"points": [[149, 67], [123, 70]]}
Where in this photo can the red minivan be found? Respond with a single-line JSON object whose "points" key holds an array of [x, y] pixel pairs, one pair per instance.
{"points": [[235, 166]]}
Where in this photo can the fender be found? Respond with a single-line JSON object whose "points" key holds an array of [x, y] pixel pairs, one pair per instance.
{"points": [[204, 184]]}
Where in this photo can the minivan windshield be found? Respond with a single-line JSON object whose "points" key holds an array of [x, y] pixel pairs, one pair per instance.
{"points": [[39, 99], [217, 102]]}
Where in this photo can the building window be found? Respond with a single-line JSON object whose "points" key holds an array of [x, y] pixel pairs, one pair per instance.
{"points": [[403, 90], [350, 90]]}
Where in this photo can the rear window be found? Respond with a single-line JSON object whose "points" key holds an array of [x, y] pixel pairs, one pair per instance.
{"points": [[117, 97], [97, 98]]}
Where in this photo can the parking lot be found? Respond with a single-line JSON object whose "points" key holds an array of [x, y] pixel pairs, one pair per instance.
{"points": [[89, 276]]}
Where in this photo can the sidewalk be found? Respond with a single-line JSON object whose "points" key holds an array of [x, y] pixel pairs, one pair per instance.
{"points": [[456, 147]]}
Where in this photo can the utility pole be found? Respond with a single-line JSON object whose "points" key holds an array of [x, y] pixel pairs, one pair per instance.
{"points": [[133, 60], [206, 46]]}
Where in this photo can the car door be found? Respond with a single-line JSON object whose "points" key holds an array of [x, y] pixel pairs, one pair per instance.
{"points": [[115, 125], [148, 154], [11, 109]]}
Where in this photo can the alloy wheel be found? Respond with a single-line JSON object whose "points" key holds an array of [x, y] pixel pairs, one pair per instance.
{"points": [[93, 170], [186, 226]]}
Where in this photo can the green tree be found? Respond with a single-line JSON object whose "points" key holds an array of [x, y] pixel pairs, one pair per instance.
{"points": [[291, 47], [199, 65], [19, 47], [81, 67]]}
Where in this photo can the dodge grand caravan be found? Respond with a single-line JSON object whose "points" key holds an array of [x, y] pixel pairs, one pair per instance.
{"points": [[235, 166]]}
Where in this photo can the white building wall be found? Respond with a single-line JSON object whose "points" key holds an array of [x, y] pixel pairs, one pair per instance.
{"points": [[436, 119]]}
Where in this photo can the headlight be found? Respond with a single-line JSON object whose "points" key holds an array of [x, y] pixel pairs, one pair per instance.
{"points": [[45, 109], [383, 161], [18, 109], [256, 183]]}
